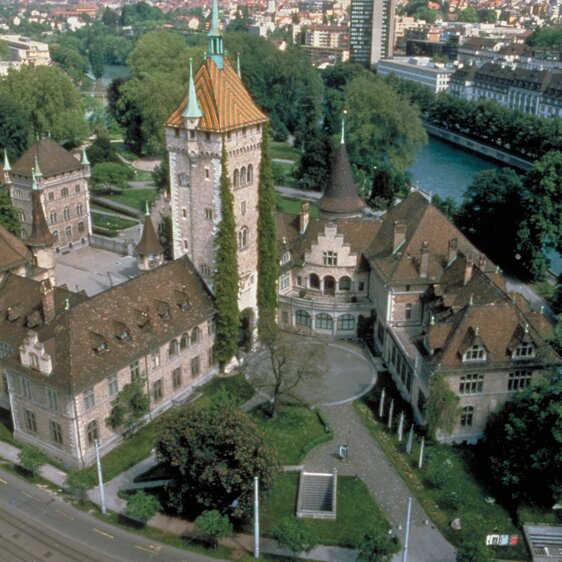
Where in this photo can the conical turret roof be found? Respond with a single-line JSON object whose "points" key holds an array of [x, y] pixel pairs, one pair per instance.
{"points": [[40, 234], [149, 244], [340, 200]]}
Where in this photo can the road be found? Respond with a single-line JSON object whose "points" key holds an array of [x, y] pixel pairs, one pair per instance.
{"points": [[35, 524]]}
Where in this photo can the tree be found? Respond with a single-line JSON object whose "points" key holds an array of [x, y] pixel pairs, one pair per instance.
{"points": [[31, 459], [225, 280], [129, 407], [142, 506], [442, 407], [51, 100], [102, 150], [524, 444], [387, 185], [213, 526], [377, 546], [9, 217], [268, 265], [15, 129], [110, 175], [473, 551], [161, 175], [79, 481], [294, 535], [487, 15], [548, 36], [284, 366], [468, 15], [314, 166], [213, 454]]}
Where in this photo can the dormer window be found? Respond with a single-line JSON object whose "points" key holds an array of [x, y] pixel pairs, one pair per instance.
{"points": [[163, 310], [475, 353], [525, 350], [285, 258], [182, 299], [121, 331]]}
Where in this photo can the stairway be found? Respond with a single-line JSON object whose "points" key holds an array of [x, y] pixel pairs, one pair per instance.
{"points": [[317, 495]]}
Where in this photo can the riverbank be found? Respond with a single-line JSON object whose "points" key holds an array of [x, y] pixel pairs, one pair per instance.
{"points": [[469, 144]]}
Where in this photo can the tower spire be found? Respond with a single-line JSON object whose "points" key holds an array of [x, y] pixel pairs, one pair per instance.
{"points": [[38, 173], [7, 166], [343, 127], [238, 71], [85, 161], [215, 37], [192, 109]]}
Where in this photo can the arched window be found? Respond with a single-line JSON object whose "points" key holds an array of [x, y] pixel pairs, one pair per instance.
{"points": [[92, 432], [195, 336], [243, 176], [314, 281], [346, 322], [184, 341], [303, 318], [324, 322], [467, 416], [250, 174], [34, 360], [329, 285], [235, 178], [22, 216], [344, 284], [68, 232], [173, 348], [243, 238]]}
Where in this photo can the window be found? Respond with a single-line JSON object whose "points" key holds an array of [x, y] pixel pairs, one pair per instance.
{"points": [[53, 399], [77, 188], [26, 388], [134, 369], [519, 380], [56, 234], [184, 213], [207, 172], [66, 213], [467, 416], [303, 318], [173, 348], [344, 284], [243, 238], [235, 178], [92, 433], [211, 356], [284, 281], [53, 217], [474, 353], [89, 398], [176, 378], [346, 322], [184, 341], [243, 178], [250, 176], [284, 317], [408, 311], [30, 421], [195, 366], [299, 280], [79, 209], [155, 359], [524, 350], [195, 336], [22, 215], [211, 328], [314, 281], [157, 390], [471, 384], [330, 258], [183, 180], [209, 214], [112, 385], [34, 360], [285, 258], [185, 245], [205, 271], [51, 196], [80, 227], [243, 207], [324, 322], [64, 192], [55, 431], [68, 232]]}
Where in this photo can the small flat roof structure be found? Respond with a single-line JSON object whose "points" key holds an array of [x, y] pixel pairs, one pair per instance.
{"points": [[544, 541]]}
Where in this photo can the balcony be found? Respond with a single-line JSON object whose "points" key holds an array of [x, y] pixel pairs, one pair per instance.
{"points": [[319, 302]]}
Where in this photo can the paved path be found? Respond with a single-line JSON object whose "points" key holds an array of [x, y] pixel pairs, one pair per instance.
{"points": [[369, 463]]}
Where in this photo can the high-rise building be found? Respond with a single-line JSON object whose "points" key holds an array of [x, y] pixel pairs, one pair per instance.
{"points": [[372, 30]]}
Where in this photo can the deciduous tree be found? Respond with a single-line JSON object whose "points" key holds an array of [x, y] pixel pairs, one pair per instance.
{"points": [[294, 535], [9, 218], [442, 406], [213, 526], [142, 506], [377, 546], [129, 407], [31, 459], [79, 481]]}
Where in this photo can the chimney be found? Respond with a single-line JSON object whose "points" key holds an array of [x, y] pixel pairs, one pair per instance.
{"points": [[399, 234], [482, 262], [453, 247], [304, 217], [47, 300], [468, 269], [424, 259]]}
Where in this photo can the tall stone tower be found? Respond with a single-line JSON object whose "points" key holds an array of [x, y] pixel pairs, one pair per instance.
{"points": [[217, 109]]}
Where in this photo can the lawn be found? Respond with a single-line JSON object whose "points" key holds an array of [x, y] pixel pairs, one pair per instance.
{"points": [[356, 511], [236, 385], [142, 175], [447, 487], [294, 432], [284, 151], [111, 222], [135, 198], [283, 175], [293, 206], [125, 151]]}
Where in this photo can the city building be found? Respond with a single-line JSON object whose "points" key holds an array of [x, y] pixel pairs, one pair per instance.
{"points": [[326, 44], [421, 70], [371, 34], [23, 50], [63, 183]]}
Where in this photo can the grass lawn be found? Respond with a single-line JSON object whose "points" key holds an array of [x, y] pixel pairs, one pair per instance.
{"points": [[356, 510], [283, 175], [125, 151], [284, 151], [111, 222], [135, 198], [142, 175], [236, 385], [292, 431], [544, 289], [447, 487], [293, 206]]}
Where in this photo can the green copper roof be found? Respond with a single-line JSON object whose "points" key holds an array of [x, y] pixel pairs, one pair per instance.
{"points": [[85, 161], [215, 38], [192, 109], [6, 166]]}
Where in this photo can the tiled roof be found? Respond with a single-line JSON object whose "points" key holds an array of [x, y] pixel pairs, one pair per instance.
{"points": [[13, 252], [52, 158], [154, 308], [223, 99], [340, 198]]}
